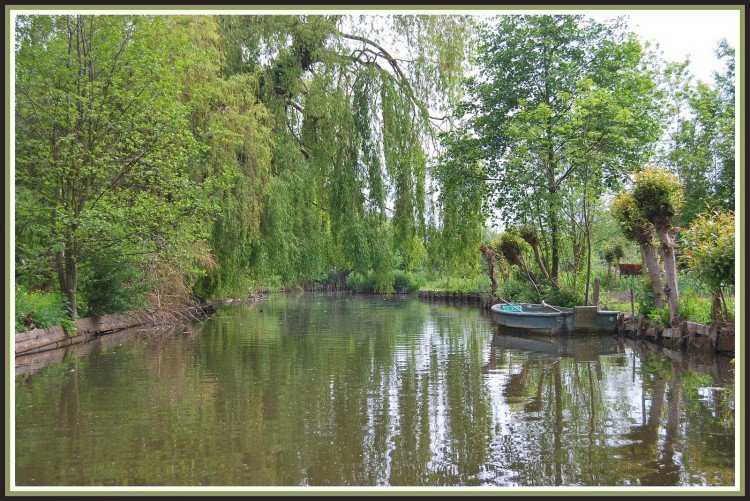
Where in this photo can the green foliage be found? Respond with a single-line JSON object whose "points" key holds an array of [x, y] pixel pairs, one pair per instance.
{"points": [[618, 251], [658, 195], [700, 145], [693, 308], [41, 310], [644, 296], [563, 105], [359, 282], [519, 291], [659, 317], [562, 297], [631, 221], [113, 287], [478, 283], [709, 248], [402, 281], [408, 282], [511, 246], [111, 166]]}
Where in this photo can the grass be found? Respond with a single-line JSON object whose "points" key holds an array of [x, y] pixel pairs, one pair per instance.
{"points": [[479, 283], [36, 309]]}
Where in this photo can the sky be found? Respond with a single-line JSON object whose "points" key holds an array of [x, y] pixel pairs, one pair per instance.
{"points": [[685, 32]]}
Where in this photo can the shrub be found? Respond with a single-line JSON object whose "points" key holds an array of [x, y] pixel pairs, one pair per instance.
{"points": [[518, 291], [410, 282], [42, 310], [645, 296], [659, 317], [479, 283], [359, 282], [693, 308], [563, 297], [113, 288]]}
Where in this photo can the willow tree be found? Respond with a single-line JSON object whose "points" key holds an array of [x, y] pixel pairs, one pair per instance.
{"points": [[542, 78], [103, 148], [348, 170]]}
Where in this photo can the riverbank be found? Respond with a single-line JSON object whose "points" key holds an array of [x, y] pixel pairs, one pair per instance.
{"points": [[687, 335], [52, 338]]}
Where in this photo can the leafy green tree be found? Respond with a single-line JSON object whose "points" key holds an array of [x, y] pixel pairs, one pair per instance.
{"points": [[345, 187], [709, 249], [103, 149], [559, 98], [699, 146], [724, 141]]}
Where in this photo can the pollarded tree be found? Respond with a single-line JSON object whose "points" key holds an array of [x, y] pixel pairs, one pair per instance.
{"points": [[618, 253], [609, 258], [102, 141], [709, 249], [657, 194], [512, 247], [636, 228]]}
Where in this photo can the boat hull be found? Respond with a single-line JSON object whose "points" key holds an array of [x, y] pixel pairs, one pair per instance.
{"points": [[539, 319]]}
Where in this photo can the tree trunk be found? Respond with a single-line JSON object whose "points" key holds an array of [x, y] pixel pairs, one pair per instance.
{"points": [[67, 273], [651, 260], [555, 271], [519, 262], [670, 273], [489, 256], [717, 312], [587, 234], [540, 263]]}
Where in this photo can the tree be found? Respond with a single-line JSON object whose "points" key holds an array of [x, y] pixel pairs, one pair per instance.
{"points": [[512, 247], [635, 227], [709, 250], [489, 254], [350, 118], [658, 196], [609, 257], [542, 79], [618, 252], [699, 146], [103, 148]]}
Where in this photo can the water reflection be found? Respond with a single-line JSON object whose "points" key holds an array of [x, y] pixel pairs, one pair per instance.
{"points": [[345, 390]]}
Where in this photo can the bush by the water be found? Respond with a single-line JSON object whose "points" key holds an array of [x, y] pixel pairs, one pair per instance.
{"points": [[403, 281], [518, 291], [41, 310], [112, 288], [563, 297], [479, 283]]}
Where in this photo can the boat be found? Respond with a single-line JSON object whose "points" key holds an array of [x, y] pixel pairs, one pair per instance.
{"points": [[547, 319]]}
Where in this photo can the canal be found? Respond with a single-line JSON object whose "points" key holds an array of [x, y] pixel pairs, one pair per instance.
{"points": [[353, 390]]}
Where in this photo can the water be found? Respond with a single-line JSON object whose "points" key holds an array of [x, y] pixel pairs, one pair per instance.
{"points": [[349, 390]]}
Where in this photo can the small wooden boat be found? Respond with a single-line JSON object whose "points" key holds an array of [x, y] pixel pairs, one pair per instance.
{"points": [[547, 319]]}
